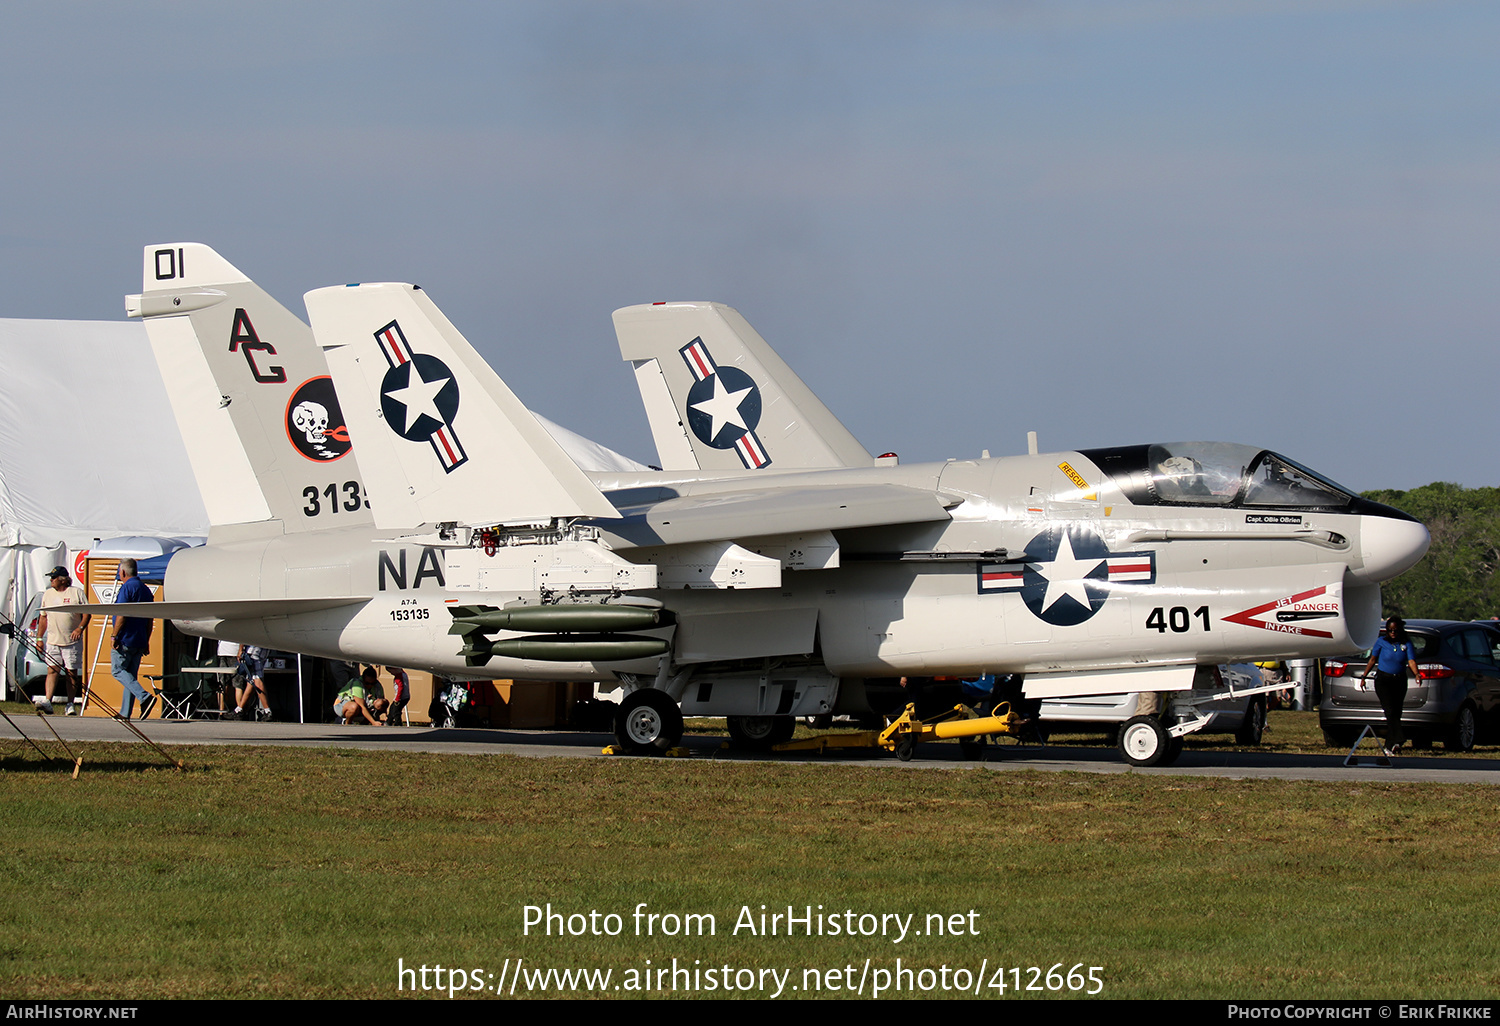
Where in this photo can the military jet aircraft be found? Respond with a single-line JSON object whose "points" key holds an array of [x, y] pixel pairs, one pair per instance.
{"points": [[773, 570]]}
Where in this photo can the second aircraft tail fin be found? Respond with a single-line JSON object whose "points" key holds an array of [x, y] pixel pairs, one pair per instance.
{"points": [[719, 398], [442, 439]]}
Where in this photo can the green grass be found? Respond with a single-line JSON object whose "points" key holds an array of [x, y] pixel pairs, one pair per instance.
{"points": [[1287, 733], [308, 873]]}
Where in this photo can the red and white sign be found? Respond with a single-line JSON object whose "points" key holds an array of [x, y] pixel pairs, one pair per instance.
{"points": [[1288, 615]]}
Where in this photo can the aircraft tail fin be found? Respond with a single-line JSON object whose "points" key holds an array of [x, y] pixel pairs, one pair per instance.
{"points": [[719, 398], [251, 393], [441, 436]]}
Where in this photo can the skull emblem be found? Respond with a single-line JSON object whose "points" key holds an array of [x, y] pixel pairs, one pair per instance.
{"points": [[312, 420]]}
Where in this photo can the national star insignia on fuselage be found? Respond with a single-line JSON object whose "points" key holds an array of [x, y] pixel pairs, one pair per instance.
{"points": [[1064, 575]]}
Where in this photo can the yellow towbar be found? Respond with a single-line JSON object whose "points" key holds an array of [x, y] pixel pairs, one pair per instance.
{"points": [[960, 721], [903, 734]]}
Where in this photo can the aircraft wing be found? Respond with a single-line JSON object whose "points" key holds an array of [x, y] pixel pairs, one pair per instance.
{"points": [[224, 609], [725, 516]]}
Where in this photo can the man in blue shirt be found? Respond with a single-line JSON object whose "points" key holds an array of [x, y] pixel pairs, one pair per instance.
{"points": [[132, 640], [1392, 654]]}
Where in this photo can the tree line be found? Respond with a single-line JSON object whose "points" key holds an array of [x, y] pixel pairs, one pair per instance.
{"points": [[1456, 579]]}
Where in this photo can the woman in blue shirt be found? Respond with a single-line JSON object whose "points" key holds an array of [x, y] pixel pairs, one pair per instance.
{"points": [[1392, 654]]}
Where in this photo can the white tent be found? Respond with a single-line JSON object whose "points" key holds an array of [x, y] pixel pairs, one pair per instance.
{"points": [[89, 449]]}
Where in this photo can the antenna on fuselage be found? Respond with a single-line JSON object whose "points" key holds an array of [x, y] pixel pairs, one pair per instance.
{"points": [[1031, 443]]}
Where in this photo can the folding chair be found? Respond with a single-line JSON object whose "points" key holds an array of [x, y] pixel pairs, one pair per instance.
{"points": [[176, 704]]}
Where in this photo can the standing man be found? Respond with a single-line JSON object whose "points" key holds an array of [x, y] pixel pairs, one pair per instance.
{"points": [[62, 634], [1392, 654], [132, 640]]}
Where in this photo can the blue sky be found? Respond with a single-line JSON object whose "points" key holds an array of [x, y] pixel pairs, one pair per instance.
{"points": [[1272, 223]]}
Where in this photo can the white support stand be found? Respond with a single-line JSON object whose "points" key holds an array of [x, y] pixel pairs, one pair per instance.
{"points": [[1354, 759]]}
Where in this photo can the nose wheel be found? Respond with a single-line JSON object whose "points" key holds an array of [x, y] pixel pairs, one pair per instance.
{"points": [[1145, 742], [648, 722]]}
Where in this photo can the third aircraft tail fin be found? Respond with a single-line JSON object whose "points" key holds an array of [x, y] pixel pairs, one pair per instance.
{"points": [[719, 398]]}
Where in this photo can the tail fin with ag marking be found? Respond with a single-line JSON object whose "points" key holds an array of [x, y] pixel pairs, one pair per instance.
{"points": [[252, 395]]}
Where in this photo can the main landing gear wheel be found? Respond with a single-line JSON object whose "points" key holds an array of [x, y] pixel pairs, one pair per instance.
{"points": [[760, 733], [648, 722], [1144, 741]]}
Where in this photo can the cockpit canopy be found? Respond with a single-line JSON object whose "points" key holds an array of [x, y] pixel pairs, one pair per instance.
{"points": [[1216, 474]]}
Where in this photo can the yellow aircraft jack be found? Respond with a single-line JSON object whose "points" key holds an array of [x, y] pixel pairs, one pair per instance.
{"points": [[903, 733]]}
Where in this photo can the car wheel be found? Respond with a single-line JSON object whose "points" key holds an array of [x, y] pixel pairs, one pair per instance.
{"points": [[648, 722], [971, 749], [1339, 737], [1254, 727], [1461, 735], [760, 733], [1143, 741]]}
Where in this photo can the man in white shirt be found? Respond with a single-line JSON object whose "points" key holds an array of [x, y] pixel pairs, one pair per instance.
{"points": [[62, 634]]}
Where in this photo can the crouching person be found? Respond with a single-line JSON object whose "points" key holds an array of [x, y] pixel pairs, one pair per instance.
{"points": [[361, 699]]}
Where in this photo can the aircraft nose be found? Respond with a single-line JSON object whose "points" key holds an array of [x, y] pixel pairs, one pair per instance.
{"points": [[1390, 547]]}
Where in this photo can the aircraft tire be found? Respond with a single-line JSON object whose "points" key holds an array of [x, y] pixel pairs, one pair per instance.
{"points": [[1144, 741], [760, 733], [1254, 727], [648, 722]]}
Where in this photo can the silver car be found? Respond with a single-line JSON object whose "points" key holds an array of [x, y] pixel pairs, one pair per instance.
{"points": [[1455, 698], [1245, 717]]}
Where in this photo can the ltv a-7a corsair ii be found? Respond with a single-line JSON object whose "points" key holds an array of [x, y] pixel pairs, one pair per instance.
{"points": [[377, 493]]}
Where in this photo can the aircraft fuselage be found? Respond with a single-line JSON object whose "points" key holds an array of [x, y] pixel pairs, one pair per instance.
{"points": [[1047, 565]]}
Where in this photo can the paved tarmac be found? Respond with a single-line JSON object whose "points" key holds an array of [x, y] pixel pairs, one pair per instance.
{"points": [[569, 744]]}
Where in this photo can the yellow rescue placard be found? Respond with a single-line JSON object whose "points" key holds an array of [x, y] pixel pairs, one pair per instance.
{"points": [[1077, 479]]}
